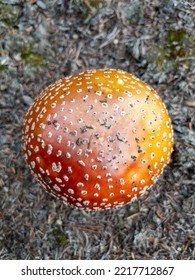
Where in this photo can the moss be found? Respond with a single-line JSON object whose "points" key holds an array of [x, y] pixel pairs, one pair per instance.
{"points": [[3, 67], [159, 59], [34, 62], [133, 209], [175, 43], [88, 7], [58, 237], [175, 47], [8, 13], [33, 58], [176, 36]]}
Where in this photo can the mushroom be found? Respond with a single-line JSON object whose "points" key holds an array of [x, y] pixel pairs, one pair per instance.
{"points": [[97, 139]]}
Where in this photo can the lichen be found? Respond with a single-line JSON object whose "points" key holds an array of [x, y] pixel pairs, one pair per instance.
{"points": [[134, 12]]}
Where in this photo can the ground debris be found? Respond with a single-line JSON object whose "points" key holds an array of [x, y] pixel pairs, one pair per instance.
{"points": [[41, 42]]}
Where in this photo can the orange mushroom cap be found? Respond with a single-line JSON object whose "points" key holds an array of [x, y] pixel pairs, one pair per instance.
{"points": [[97, 139]]}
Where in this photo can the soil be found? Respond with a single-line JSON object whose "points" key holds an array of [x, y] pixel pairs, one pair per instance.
{"points": [[42, 41]]}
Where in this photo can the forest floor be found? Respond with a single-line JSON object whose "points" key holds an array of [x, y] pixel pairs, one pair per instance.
{"points": [[42, 41]]}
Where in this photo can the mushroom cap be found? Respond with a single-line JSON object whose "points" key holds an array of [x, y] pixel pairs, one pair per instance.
{"points": [[97, 139]]}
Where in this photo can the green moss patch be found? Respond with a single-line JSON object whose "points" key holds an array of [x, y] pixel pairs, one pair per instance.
{"points": [[175, 48], [8, 14]]}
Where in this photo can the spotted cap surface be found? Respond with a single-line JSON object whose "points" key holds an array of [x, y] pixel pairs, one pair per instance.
{"points": [[97, 139]]}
